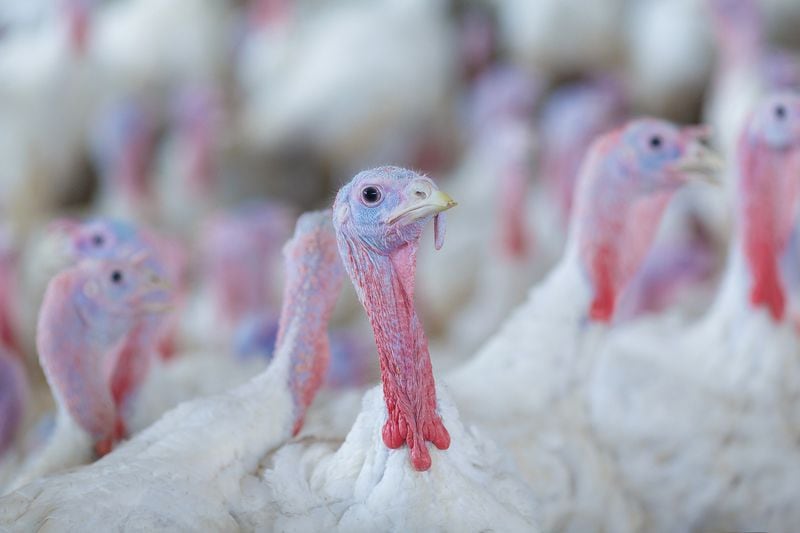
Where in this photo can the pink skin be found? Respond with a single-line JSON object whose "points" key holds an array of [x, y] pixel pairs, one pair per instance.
{"points": [[13, 395], [379, 254], [573, 116], [123, 144], [501, 105], [111, 239], [197, 115], [477, 41], [739, 28], [669, 270], [87, 313], [627, 178], [239, 251], [514, 238], [313, 281], [78, 13], [13, 382], [768, 160], [267, 14], [8, 276]]}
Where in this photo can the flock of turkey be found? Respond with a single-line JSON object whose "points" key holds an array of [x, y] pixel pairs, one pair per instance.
{"points": [[612, 299]]}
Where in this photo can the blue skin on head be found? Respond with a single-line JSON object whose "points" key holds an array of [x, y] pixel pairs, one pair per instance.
{"points": [[369, 219], [102, 238], [656, 144], [106, 238]]}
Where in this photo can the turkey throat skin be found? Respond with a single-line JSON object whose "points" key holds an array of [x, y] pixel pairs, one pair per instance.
{"points": [[313, 281], [385, 287], [768, 207]]}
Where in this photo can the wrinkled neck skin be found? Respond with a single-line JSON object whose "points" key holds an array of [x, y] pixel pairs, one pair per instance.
{"points": [[611, 231], [385, 287], [312, 286], [768, 198]]}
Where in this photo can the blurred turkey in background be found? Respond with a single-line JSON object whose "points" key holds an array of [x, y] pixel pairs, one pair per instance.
{"points": [[195, 132]]}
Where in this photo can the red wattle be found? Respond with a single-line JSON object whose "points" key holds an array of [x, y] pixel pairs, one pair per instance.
{"points": [[603, 261], [387, 291], [767, 222], [166, 347], [79, 30], [767, 289], [131, 367], [513, 194]]}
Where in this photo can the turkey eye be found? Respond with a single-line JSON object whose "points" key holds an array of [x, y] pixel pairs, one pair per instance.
{"points": [[371, 195], [780, 112], [98, 240], [655, 142], [116, 276]]}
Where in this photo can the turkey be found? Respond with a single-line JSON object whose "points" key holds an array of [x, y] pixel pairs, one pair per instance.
{"points": [[496, 164], [703, 418], [240, 278], [747, 68], [150, 481], [87, 315], [188, 171], [571, 118], [379, 216], [122, 142], [523, 384]]}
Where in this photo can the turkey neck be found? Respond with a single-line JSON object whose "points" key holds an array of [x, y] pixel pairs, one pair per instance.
{"points": [[385, 287], [767, 207], [611, 232], [313, 282]]}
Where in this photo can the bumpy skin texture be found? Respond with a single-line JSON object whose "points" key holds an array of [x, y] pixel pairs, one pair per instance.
{"points": [[769, 165], [380, 257], [626, 181], [87, 313], [314, 278]]}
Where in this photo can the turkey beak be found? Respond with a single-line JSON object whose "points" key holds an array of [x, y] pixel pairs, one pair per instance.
{"points": [[423, 201], [700, 163], [157, 295]]}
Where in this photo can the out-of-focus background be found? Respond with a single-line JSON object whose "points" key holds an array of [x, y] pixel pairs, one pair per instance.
{"points": [[174, 113], [214, 102]]}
